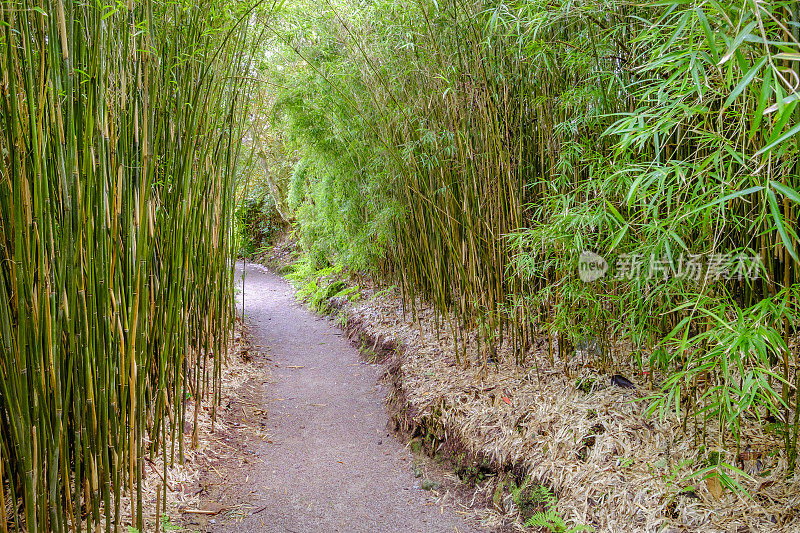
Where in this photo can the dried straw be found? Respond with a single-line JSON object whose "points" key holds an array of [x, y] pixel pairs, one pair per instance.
{"points": [[610, 466]]}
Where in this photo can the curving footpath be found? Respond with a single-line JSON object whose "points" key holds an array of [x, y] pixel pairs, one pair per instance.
{"points": [[330, 465]]}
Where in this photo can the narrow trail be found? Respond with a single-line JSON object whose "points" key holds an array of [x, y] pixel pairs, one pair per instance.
{"points": [[330, 465]]}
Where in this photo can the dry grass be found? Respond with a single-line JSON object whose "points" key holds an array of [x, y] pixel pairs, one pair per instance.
{"points": [[182, 480], [610, 466]]}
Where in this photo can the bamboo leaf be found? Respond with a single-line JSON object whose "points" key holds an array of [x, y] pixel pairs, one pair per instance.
{"points": [[782, 104], [777, 218], [788, 135], [745, 81], [737, 42], [710, 36], [728, 197], [786, 191], [614, 212], [766, 92], [786, 56], [619, 236]]}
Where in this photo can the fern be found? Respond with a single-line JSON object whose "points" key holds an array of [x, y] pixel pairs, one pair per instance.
{"points": [[549, 518]]}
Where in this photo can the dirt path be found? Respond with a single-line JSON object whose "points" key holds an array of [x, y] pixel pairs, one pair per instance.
{"points": [[327, 463]]}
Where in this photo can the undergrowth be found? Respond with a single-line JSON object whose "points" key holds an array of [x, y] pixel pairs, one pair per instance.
{"points": [[317, 287], [539, 504], [258, 223]]}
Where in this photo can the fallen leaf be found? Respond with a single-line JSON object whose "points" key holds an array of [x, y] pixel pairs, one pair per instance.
{"points": [[622, 382], [714, 487], [505, 399]]}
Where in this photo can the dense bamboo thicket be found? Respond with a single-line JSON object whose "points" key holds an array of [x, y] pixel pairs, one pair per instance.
{"points": [[121, 125], [472, 151]]}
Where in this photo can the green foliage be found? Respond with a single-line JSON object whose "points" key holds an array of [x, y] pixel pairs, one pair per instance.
{"points": [[338, 191], [552, 521], [531, 499], [537, 506], [470, 152], [298, 184], [258, 223], [317, 287], [167, 525]]}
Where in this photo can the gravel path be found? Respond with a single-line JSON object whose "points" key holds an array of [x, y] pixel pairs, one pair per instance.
{"points": [[331, 465]]}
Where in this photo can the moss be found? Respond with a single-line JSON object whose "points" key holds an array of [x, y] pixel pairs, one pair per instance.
{"points": [[531, 498], [416, 446]]}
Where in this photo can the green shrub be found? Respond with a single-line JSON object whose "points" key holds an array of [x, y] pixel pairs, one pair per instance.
{"points": [[258, 223]]}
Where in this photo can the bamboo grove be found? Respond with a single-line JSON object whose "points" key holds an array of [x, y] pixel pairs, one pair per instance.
{"points": [[120, 132], [472, 151]]}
